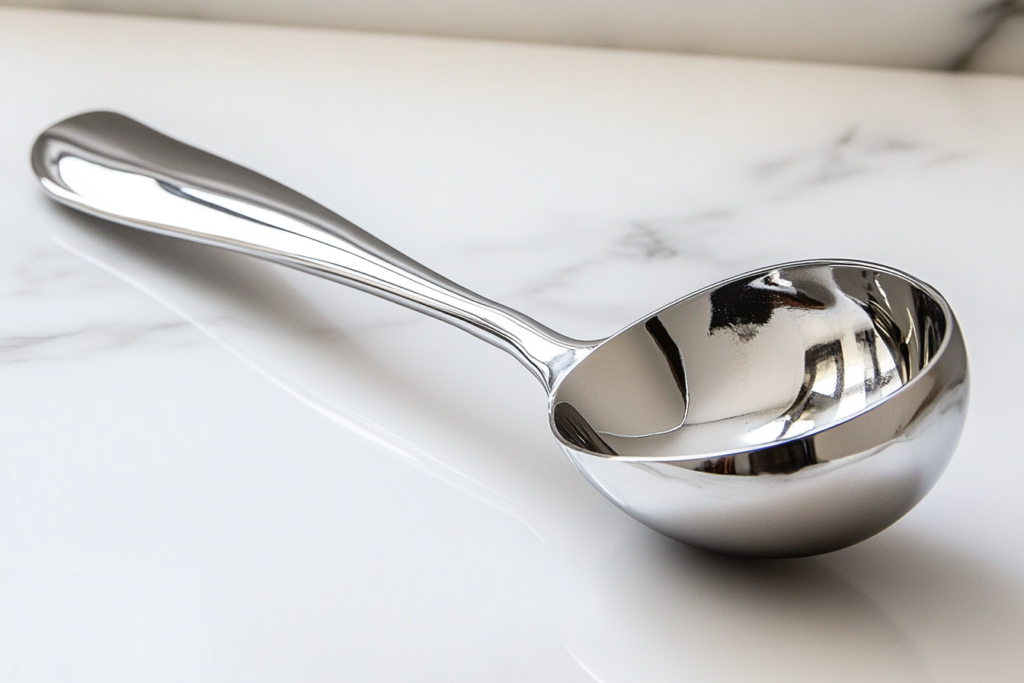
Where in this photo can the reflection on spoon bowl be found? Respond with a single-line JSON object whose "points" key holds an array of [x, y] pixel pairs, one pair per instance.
{"points": [[789, 411]]}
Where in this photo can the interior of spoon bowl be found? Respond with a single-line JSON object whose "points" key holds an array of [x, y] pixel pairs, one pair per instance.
{"points": [[760, 359]]}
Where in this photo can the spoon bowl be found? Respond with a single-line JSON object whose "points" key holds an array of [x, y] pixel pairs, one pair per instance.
{"points": [[789, 411]]}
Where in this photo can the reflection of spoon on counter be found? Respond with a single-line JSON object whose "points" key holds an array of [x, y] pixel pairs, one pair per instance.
{"points": [[789, 411]]}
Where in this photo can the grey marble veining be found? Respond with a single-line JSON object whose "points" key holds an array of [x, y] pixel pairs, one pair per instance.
{"points": [[55, 306], [998, 23], [852, 153], [693, 240]]}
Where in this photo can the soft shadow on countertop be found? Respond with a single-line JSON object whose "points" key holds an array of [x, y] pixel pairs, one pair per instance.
{"points": [[895, 608], [652, 608], [964, 612]]}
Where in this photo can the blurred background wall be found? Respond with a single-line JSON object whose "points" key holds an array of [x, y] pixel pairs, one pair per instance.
{"points": [[977, 35]]}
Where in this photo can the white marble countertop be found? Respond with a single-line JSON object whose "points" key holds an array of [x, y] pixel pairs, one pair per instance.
{"points": [[215, 469]]}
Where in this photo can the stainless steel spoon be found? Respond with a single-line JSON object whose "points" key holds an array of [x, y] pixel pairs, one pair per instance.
{"points": [[789, 411]]}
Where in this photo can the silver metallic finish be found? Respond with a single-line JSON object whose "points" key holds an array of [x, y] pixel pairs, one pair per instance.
{"points": [[790, 411], [824, 401]]}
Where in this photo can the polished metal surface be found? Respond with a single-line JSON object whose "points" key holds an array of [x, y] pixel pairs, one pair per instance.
{"points": [[790, 411]]}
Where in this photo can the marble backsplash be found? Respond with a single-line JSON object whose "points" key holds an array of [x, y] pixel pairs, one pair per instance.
{"points": [[975, 35]]}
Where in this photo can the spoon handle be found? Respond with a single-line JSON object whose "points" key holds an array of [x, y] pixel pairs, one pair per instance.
{"points": [[111, 166]]}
